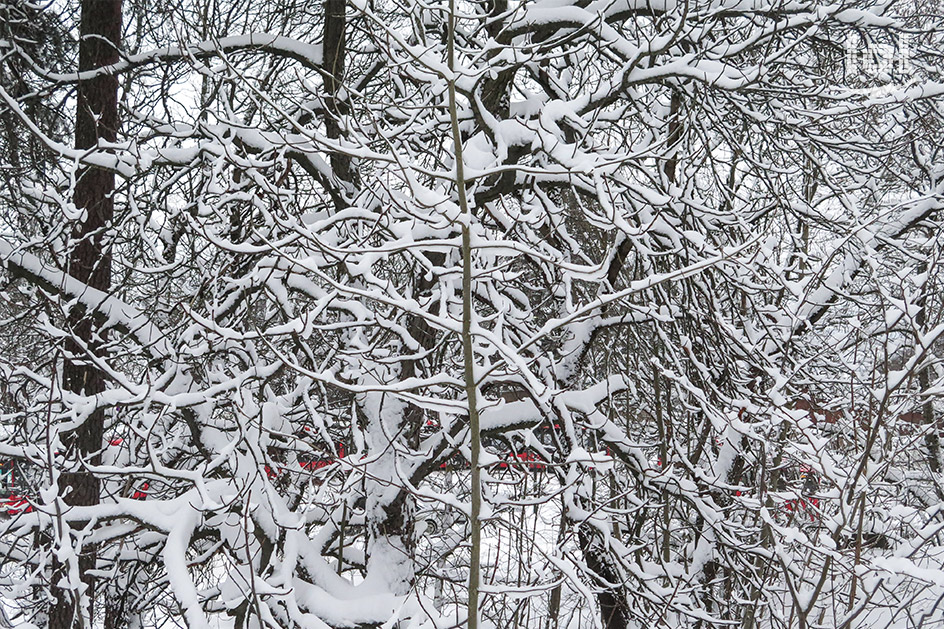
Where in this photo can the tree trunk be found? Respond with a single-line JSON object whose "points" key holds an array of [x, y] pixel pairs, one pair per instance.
{"points": [[334, 46], [89, 262], [610, 592]]}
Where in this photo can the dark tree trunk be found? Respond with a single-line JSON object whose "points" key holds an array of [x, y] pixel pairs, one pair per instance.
{"points": [[334, 46], [89, 262], [610, 592]]}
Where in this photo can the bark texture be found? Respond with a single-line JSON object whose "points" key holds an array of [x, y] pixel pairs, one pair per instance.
{"points": [[89, 262], [335, 50]]}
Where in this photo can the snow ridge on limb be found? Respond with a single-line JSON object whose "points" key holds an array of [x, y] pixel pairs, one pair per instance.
{"points": [[116, 313]]}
